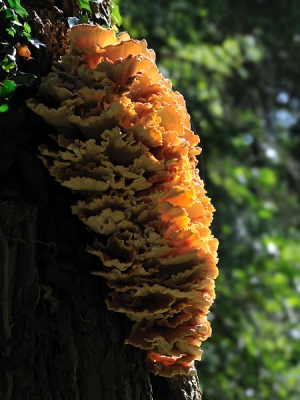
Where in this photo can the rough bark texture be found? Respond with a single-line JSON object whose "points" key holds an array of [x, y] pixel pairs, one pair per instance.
{"points": [[58, 340]]}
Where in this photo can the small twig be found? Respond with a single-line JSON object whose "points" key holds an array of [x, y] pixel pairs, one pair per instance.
{"points": [[83, 320], [49, 245], [38, 299], [5, 309], [34, 307], [17, 240]]}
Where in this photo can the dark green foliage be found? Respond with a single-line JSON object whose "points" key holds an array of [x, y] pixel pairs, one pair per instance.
{"points": [[14, 30], [237, 65], [115, 15], [85, 5]]}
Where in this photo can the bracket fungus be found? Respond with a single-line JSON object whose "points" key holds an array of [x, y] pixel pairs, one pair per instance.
{"points": [[127, 149]]}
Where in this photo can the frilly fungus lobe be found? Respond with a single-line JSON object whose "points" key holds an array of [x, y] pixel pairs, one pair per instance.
{"points": [[135, 168]]}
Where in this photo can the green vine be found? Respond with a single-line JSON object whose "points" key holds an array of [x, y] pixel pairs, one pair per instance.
{"points": [[13, 30]]}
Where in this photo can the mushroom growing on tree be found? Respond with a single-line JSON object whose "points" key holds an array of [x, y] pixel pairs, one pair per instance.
{"points": [[127, 149]]}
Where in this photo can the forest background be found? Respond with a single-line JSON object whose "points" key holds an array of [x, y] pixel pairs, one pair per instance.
{"points": [[238, 66]]}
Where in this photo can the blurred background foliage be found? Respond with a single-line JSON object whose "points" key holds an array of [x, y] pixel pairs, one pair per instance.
{"points": [[238, 66]]}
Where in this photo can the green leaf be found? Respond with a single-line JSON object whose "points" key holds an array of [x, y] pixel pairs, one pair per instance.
{"points": [[115, 14], [17, 23], [27, 27], [23, 78], [15, 4], [27, 35], [7, 88], [267, 177], [85, 4], [84, 19], [11, 31], [3, 108], [8, 63], [8, 13]]}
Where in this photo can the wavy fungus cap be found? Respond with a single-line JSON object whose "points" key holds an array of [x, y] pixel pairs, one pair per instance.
{"points": [[126, 147]]}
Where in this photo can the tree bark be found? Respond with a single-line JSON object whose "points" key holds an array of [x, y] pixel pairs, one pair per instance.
{"points": [[58, 340]]}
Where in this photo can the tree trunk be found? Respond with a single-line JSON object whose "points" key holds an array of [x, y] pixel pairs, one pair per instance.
{"points": [[58, 339]]}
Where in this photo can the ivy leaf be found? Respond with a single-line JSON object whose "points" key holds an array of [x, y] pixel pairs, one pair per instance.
{"points": [[11, 31], [15, 4], [8, 13], [7, 88], [115, 14], [27, 31], [4, 107], [85, 4], [27, 27], [27, 35], [84, 19], [9, 62], [23, 78]]}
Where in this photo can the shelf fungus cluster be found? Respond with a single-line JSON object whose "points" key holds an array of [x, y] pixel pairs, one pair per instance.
{"points": [[126, 148]]}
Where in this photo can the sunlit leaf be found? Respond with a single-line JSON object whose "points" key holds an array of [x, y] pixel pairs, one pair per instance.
{"points": [[27, 35], [7, 88], [27, 27], [115, 14], [85, 4], [3, 108], [15, 4], [11, 31], [9, 62]]}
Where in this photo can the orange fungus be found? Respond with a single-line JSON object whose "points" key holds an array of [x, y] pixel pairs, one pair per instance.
{"points": [[126, 147]]}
